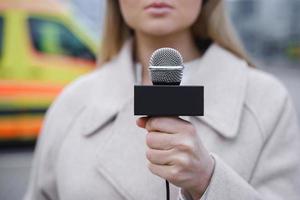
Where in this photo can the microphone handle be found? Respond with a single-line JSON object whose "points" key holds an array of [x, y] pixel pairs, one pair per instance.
{"points": [[167, 182]]}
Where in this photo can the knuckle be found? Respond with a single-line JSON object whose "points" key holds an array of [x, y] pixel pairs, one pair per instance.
{"points": [[173, 175], [183, 160], [149, 139], [149, 154], [184, 146], [153, 169]]}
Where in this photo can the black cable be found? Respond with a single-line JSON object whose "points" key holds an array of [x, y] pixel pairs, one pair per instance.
{"points": [[167, 190]]}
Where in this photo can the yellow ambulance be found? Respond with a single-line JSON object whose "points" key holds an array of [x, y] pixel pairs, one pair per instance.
{"points": [[41, 50]]}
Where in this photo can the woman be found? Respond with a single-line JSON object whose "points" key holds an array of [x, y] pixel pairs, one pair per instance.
{"points": [[245, 147]]}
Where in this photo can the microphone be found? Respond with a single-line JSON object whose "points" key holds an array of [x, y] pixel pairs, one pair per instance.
{"points": [[166, 67], [166, 97]]}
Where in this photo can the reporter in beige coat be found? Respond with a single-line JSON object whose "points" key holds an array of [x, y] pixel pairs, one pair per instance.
{"points": [[245, 147]]}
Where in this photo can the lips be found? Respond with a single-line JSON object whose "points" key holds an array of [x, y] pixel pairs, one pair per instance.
{"points": [[159, 5], [158, 8]]}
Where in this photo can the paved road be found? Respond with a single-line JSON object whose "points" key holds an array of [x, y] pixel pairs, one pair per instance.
{"points": [[14, 172], [15, 164]]}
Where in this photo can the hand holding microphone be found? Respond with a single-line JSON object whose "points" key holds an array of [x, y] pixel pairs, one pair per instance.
{"points": [[175, 152]]}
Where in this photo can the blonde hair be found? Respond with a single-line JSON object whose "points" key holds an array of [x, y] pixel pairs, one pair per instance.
{"points": [[213, 24]]}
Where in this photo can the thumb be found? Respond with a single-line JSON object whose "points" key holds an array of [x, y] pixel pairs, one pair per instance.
{"points": [[142, 121]]}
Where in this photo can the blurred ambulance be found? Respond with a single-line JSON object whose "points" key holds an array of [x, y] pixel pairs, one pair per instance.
{"points": [[41, 50]]}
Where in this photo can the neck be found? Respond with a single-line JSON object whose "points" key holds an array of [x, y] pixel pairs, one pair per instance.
{"points": [[146, 44]]}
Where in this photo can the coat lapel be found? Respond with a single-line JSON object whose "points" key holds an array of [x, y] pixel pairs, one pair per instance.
{"points": [[224, 77], [122, 160], [111, 87]]}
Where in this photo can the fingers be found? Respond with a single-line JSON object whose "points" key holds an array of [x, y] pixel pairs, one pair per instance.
{"points": [[171, 125], [160, 141], [170, 173], [159, 157], [159, 170], [167, 125]]}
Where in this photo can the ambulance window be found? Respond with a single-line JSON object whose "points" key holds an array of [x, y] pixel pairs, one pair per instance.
{"points": [[52, 37]]}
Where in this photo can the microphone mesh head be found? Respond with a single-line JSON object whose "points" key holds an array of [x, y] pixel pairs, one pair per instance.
{"points": [[166, 57], [166, 67]]}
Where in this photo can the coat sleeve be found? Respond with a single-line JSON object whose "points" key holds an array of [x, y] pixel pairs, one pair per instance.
{"points": [[277, 172], [42, 182], [184, 195]]}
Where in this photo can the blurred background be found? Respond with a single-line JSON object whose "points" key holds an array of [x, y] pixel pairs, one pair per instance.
{"points": [[45, 44]]}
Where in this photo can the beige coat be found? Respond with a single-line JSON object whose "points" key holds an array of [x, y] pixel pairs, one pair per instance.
{"points": [[90, 147]]}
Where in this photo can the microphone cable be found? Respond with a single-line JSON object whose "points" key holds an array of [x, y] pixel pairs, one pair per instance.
{"points": [[167, 190]]}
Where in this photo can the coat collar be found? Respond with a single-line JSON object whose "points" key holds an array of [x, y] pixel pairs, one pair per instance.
{"points": [[111, 88], [224, 77], [222, 74]]}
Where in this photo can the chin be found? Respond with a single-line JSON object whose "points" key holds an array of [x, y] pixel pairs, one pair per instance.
{"points": [[159, 29], [159, 33]]}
